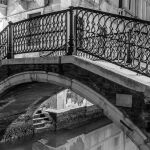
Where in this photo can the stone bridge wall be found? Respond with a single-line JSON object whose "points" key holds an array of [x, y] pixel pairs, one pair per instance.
{"points": [[100, 84], [89, 77], [77, 117]]}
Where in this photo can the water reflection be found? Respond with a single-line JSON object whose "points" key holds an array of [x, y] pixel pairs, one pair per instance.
{"points": [[98, 135], [108, 137]]}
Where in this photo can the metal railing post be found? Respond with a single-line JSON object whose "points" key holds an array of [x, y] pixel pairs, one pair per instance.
{"points": [[129, 60], [71, 39], [10, 40]]}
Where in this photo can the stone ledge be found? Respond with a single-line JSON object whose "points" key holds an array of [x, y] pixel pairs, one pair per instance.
{"points": [[76, 117], [111, 72]]}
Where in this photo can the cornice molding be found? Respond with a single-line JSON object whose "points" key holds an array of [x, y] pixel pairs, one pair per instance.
{"points": [[3, 10], [22, 4]]}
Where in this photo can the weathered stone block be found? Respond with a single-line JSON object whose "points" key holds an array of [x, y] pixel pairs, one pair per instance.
{"points": [[124, 100]]}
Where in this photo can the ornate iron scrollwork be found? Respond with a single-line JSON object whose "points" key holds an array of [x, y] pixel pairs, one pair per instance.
{"points": [[85, 32]]}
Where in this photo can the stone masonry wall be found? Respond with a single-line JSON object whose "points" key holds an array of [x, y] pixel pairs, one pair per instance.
{"points": [[101, 85], [76, 117]]}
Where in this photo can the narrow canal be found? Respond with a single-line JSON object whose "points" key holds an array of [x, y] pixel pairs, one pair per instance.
{"points": [[98, 135]]}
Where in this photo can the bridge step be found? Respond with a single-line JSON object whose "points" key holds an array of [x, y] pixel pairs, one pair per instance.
{"points": [[41, 124], [41, 129], [36, 116], [36, 120], [41, 121]]}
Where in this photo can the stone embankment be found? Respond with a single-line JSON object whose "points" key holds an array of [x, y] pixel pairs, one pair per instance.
{"points": [[23, 127], [76, 117], [19, 129]]}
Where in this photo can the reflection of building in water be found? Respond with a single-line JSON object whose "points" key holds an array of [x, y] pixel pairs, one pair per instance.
{"points": [[64, 110], [108, 137], [66, 99]]}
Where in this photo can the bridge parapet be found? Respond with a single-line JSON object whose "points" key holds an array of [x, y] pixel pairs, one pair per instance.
{"points": [[84, 32]]}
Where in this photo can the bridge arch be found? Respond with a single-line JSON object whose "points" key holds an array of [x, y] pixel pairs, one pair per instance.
{"points": [[110, 110]]}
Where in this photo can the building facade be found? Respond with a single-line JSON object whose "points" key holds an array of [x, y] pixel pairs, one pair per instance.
{"points": [[16, 10], [65, 100]]}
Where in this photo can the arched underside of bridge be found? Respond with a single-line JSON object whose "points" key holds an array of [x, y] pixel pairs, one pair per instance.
{"points": [[25, 98], [89, 80]]}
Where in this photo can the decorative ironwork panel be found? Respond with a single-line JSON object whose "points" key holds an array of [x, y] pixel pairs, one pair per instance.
{"points": [[89, 33], [4, 43], [121, 40], [45, 33]]}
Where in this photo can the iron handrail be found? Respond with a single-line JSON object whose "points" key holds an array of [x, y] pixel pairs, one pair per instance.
{"points": [[85, 32]]}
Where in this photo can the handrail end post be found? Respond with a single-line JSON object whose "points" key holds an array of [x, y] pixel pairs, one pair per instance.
{"points": [[10, 41], [71, 39]]}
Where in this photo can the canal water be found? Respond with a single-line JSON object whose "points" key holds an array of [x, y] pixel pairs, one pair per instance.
{"points": [[98, 135]]}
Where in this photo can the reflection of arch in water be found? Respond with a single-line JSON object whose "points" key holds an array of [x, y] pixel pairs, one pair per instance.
{"points": [[77, 143], [66, 99], [109, 110], [88, 137]]}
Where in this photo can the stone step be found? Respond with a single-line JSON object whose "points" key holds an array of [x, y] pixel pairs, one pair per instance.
{"points": [[36, 116], [41, 129], [41, 124], [36, 120]]}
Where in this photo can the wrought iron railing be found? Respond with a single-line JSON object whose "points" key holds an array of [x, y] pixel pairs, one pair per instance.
{"points": [[85, 32], [4, 43], [43, 33], [121, 40]]}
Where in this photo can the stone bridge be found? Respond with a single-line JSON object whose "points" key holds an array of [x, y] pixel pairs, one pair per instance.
{"points": [[114, 42], [99, 82]]}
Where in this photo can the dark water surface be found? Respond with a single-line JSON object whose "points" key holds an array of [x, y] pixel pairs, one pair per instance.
{"points": [[98, 135]]}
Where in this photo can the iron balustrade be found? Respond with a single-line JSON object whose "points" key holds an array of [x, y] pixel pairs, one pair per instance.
{"points": [[118, 39], [84, 32], [40, 34], [4, 43]]}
